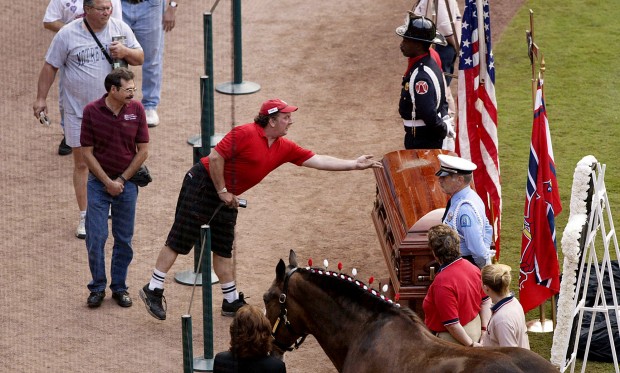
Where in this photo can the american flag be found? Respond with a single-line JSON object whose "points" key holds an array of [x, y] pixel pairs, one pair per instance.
{"points": [[539, 275], [477, 109]]}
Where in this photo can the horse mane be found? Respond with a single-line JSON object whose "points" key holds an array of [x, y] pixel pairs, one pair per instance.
{"points": [[338, 285]]}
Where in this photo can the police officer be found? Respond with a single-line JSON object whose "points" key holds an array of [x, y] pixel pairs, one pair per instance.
{"points": [[423, 98], [465, 210]]}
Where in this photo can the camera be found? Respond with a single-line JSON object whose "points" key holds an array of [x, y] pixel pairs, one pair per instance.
{"points": [[243, 202], [44, 119], [119, 62]]}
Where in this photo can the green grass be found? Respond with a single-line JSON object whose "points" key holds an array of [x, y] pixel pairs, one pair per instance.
{"points": [[578, 40]]}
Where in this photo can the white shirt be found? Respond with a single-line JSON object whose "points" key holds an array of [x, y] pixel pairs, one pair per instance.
{"points": [[442, 20], [69, 10]]}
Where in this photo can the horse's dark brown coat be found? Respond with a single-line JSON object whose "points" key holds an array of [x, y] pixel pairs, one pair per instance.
{"points": [[361, 333]]}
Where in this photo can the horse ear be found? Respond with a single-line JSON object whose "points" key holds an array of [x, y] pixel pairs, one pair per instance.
{"points": [[292, 258], [280, 269]]}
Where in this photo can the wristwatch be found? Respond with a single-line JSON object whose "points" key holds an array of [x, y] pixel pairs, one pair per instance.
{"points": [[173, 4]]}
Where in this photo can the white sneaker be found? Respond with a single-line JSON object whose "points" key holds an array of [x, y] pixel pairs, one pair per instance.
{"points": [[81, 229], [152, 119]]}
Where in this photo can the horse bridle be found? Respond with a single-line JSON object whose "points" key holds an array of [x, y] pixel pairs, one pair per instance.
{"points": [[283, 320]]}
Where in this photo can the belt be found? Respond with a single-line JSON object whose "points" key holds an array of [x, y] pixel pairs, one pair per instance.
{"points": [[414, 123], [470, 259]]}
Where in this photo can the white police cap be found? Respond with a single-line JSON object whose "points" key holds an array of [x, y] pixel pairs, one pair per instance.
{"points": [[451, 165]]}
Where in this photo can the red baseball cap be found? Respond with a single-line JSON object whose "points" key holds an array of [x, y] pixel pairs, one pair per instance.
{"points": [[276, 105]]}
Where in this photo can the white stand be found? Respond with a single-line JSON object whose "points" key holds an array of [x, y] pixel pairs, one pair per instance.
{"points": [[598, 219]]}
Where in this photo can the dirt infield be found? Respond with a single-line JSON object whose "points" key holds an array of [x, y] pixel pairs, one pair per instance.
{"points": [[338, 61]]}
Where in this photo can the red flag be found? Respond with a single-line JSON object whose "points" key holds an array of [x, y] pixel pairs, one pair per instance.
{"points": [[477, 120], [539, 275]]}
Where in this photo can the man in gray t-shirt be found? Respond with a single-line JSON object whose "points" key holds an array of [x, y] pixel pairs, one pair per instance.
{"points": [[58, 14], [85, 68]]}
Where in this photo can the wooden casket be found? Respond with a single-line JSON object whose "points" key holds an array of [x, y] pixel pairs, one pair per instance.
{"points": [[409, 201]]}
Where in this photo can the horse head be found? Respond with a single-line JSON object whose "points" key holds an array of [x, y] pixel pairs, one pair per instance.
{"points": [[363, 331], [330, 305], [286, 337]]}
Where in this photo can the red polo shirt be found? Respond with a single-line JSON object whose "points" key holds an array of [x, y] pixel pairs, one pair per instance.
{"points": [[454, 296], [248, 158], [114, 137]]}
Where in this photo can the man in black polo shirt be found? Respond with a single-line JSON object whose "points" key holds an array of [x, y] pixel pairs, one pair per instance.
{"points": [[114, 138]]}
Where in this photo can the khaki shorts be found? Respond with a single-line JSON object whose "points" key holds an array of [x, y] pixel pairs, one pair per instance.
{"points": [[473, 330]]}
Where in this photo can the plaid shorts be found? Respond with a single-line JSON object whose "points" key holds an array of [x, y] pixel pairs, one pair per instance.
{"points": [[198, 201]]}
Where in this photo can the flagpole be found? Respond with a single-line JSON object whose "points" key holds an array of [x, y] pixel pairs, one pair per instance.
{"points": [[454, 34], [482, 63], [542, 325], [434, 11], [533, 54], [482, 43]]}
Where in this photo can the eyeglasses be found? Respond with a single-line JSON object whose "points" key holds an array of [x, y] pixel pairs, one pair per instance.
{"points": [[102, 10], [130, 90]]}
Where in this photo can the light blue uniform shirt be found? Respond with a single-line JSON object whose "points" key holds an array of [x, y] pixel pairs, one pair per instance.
{"points": [[466, 215]]}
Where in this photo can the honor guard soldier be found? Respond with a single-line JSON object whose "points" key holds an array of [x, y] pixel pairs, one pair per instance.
{"points": [[422, 102], [465, 211]]}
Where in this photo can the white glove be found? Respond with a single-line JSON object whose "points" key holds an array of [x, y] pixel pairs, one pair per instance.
{"points": [[491, 256], [449, 121]]}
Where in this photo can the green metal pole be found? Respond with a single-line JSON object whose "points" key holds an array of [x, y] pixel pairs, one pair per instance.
{"points": [[208, 117], [188, 350], [237, 86], [207, 296], [205, 362], [197, 154], [237, 38]]}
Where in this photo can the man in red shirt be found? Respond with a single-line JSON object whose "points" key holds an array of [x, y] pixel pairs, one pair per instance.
{"points": [[240, 160], [114, 138]]}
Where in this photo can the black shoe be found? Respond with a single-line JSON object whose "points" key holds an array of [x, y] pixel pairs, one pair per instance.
{"points": [[153, 301], [95, 298], [122, 298], [63, 148], [229, 309]]}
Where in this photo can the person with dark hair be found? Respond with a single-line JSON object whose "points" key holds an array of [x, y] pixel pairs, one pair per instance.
{"points": [[250, 345], [422, 102], [455, 307], [465, 211], [210, 192], [506, 328], [114, 138], [84, 68]]}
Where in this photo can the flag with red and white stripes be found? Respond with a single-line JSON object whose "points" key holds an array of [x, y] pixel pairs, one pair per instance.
{"points": [[477, 109], [539, 272]]}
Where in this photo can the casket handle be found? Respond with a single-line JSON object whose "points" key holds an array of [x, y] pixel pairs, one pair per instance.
{"points": [[430, 267]]}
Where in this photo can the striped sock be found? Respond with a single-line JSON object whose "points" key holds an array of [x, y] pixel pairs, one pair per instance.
{"points": [[229, 290], [157, 280]]}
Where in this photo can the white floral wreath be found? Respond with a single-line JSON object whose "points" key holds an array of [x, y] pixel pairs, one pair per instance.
{"points": [[570, 248]]}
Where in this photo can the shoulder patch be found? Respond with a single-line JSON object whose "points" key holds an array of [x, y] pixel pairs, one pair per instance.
{"points": [[465, 221], [421, 87]]}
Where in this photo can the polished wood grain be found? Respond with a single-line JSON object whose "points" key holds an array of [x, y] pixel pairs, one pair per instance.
{"points": [[408, 202]]}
